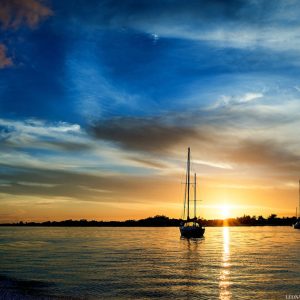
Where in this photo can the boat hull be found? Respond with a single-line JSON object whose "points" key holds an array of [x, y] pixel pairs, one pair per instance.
{"points": [[192, 231], [297, 225]]}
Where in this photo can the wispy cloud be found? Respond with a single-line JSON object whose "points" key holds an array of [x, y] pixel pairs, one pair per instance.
{"points": [[218, 165], [33, 133], [240, 24], [97, 96], [36, 184], [226, 100]]}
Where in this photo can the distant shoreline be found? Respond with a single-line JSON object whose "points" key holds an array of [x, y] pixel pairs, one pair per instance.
{"points": [[135, 226], [163, 221]]}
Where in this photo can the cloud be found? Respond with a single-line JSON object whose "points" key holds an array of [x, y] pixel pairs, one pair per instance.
{"points": [[157, 144], [5, 61], [241, 99], [203, 126], [232, 140], [32, 164], [37, 134], [34, 181], [35, 184], [75, 185], [148, 162], [265, 154], [145, 134], [240, 24], [98, 95], [17, 13], [213, 164], [250, 97], [62, 146]]}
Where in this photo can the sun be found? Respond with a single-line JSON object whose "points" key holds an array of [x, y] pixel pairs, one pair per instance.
{"points": [[225, 211]]}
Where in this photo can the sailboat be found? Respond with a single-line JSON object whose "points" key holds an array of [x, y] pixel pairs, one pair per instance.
{"points": [[297, 224], [190, 227]]}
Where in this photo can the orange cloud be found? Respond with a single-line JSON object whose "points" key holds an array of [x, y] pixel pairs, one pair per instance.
{"points": [[16, 13], [5, 61]]}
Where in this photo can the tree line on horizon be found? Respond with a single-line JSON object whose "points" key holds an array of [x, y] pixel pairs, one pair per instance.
{"points": [[161, 220]]}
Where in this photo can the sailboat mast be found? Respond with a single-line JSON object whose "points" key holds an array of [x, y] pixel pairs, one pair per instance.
{"points": [[188, 183], [184, 207], [195, 196], [299, 201]]}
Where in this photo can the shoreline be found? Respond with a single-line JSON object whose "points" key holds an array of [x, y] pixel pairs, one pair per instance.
{"points": [[163, 221], [141, 226]]}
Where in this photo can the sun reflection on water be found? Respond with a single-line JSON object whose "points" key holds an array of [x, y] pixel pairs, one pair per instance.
{"points": [[224, 284]]}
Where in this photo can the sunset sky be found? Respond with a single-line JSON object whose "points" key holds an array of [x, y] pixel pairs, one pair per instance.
{"points": [[100, 99]]}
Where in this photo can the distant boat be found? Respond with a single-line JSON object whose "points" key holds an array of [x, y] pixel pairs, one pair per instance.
{"points": [[297, 224], [190, 227]]}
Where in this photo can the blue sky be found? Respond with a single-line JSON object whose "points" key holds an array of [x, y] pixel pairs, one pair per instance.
{"points": [[105, 92]]}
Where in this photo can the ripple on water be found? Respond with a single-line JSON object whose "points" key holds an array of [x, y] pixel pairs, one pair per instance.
{"points": [[141, 263]]}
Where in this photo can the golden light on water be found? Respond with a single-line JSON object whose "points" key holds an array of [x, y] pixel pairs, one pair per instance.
{"points": [[224, 284]]}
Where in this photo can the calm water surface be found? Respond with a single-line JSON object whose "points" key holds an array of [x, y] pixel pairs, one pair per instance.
{"points": [[141, 263]]}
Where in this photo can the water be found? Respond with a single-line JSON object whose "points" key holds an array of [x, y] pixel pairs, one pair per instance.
{"points": [[141, 263]]}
